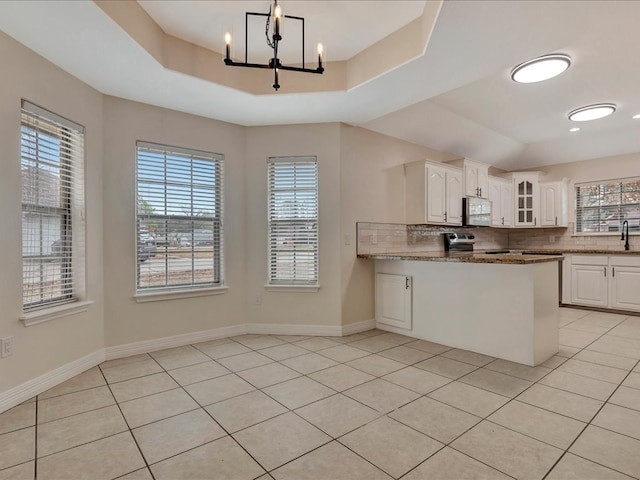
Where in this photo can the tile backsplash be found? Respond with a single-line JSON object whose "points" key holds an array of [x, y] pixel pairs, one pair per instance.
{"points": [[395, 237], [564, 239]]}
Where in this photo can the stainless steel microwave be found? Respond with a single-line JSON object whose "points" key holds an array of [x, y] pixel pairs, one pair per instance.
{"points": [[476, 212]]}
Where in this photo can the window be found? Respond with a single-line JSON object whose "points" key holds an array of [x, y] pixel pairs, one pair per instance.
{"points": [[179, 218], [51, 159], [293, 221], [601, 207]]}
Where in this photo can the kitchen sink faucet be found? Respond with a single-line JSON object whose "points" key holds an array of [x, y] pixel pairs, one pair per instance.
{"points": [[626, 244]]}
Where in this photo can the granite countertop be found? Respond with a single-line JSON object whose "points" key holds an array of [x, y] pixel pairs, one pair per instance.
{"points": [[468, 257]]}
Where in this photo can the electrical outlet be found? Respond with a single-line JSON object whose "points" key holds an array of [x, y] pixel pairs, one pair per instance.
{"points": [[257, 300], [7, 347], [347, 239]]}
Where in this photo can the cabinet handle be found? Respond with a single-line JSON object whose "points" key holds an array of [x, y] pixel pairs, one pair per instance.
{"points": [[480, 191], [406, 283], [535, 221], [613, 271], [502, 220], [605, 271], [445, 216], [556, 220]]}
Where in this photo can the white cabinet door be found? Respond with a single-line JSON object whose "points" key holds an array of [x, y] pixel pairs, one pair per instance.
{"points": [[554, 203], [589, 285], [476, 178], [436, 194], [506, 199], [393, 300], [549, 204], [454, 197], [501, 197], [526, 195], [625, 288], [483, 181], [496, 203], [470, 180]]}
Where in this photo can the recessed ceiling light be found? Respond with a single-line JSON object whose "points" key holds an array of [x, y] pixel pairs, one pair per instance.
{"points": [[541, 68], [635, 117], [574, 129], [592, 112]]}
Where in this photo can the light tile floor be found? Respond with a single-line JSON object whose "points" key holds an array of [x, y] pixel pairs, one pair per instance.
{"points": [[369, 406]]}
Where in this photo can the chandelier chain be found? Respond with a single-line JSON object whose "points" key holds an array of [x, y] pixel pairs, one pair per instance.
{"points": [[266, 30]]}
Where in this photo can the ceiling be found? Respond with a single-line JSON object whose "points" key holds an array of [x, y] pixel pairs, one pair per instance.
{"points": [[455, 95]]}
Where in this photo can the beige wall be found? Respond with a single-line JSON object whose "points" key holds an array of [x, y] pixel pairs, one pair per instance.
{"points": [[278, 307], [128, 321], [371, 190], [41, 348]]}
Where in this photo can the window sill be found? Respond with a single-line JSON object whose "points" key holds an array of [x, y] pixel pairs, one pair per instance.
{"points": [[292, 288], [46, 314], [177, 294]]}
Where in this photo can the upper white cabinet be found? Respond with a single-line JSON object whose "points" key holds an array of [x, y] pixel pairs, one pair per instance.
{"points": [[433, 193], [501, 197], [526, 198], [476, 177], [553, 204]]}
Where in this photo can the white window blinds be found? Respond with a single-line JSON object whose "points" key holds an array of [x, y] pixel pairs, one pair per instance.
{"points": [[179, 218], [51, 157], [602, 206], [293, 221]]}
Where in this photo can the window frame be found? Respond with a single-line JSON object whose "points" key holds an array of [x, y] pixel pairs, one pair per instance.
{"points": [[615, 208], [291, 283], [184, 290], [37, 122]]}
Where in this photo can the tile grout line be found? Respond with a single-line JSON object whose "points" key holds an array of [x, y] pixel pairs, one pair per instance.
{"points": [[606, 402], [144, 459]]}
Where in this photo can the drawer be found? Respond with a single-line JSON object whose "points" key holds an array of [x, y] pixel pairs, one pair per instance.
{"points": [[590, 260], [625, 261]]}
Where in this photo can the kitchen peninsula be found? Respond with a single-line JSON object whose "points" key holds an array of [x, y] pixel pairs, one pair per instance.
{"points": [[503, 305]]}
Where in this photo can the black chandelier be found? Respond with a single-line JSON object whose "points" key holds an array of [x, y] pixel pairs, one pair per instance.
{"points": [[274, 64]]}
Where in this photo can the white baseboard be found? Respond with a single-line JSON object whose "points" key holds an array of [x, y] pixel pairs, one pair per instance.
{"points": [[288, 329], [152, 345], [29, 389], [358, 327]]}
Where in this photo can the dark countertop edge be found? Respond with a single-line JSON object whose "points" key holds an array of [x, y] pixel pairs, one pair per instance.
{"points": [[572, 251], [476, 257]]}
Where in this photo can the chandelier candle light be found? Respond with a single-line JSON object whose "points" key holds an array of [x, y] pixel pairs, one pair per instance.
{"points": [[274, 63]]}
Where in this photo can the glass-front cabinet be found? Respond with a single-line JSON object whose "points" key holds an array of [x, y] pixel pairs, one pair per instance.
{"points": [[527, 196]]}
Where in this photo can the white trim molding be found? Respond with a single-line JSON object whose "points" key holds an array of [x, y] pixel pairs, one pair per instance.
{"points": [[294, 329], [46, 314], [36, 386], [358, 327], [176, 294], [155, 344]]}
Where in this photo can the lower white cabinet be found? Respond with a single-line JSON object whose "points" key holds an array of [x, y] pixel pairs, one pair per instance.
{"points": [[393, 300], [624, 291], [589, 285], [605, 281]]}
